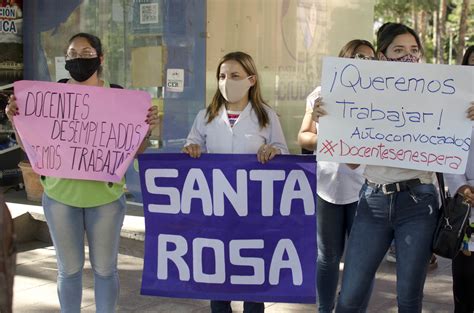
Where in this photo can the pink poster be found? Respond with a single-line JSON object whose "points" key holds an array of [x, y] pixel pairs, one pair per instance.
{"points": [[80, 132]]}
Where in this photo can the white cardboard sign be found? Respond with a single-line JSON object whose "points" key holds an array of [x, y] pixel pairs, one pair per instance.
{"points": [[396, 114]]}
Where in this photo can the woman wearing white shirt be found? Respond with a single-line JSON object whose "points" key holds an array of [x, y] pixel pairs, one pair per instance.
{"points": [[337, 194], [463, 263], [237, 121]]}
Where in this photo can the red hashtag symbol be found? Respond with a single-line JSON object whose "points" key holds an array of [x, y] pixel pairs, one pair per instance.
{"points": [[328, 146]]}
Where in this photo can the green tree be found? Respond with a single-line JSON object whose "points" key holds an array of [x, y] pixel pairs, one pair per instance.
{"points": [[465, 22], [444, 26]]}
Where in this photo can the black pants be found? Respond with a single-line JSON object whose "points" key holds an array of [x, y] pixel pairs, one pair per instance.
{"points": [[224, 307], [463, 283]]}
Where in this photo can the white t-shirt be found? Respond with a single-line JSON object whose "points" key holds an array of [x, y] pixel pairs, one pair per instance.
{"points": [[336, 182], [386, 175]]}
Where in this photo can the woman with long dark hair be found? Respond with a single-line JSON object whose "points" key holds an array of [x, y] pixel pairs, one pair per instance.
{"points": [[395, 203], [74, 208]]}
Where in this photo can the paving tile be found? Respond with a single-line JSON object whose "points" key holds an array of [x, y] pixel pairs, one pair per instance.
{"points": [[36, 252], [43, 297], [429, 307], [35, 274], [168, 306], [37, 308], [287, 307]]}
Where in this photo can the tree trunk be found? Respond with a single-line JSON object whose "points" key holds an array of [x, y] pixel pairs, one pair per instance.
{"points": [[435, 34], [423, 22], [414, 17], [442, 31], [462, 30]]}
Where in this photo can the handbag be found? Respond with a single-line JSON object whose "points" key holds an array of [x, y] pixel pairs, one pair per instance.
{"points": [[452, 223]]}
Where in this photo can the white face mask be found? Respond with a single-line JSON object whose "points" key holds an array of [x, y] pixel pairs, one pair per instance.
{"points": [[234, 90]]}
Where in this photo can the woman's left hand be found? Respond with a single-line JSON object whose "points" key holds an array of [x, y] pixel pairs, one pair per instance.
{"points": [[152, 117], [318, 109], [266, 153], [470, 111], [467, 192]]}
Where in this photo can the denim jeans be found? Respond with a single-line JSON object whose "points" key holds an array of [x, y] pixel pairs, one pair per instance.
{"points": [[224, 307], [334, 224], [410, 218], [67, 226]]}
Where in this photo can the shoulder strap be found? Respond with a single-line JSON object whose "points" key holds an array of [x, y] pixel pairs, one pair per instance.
{"points": [[116, 86], [442, 192], [65, 80]]}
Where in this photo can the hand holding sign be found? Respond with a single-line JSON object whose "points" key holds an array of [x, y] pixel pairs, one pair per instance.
{"points": [[68, 130], [318, 109], [194, 150], [267, 152], [470, 111], [12, 108], [152, 117]]}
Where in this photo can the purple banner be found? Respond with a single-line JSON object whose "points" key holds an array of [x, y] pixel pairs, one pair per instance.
{"points": [[225, 227]]}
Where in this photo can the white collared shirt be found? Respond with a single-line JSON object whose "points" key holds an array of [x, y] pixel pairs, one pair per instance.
{"points": [[245, 136]]}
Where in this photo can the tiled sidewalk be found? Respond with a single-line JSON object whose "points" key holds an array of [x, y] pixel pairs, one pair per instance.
{"points": [[35, 289]]}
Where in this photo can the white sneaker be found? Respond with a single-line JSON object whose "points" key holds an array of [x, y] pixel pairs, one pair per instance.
{"points": [[391, 255]]}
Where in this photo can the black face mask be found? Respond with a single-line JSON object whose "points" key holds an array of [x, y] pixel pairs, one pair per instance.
{"points": [[81, 69]]}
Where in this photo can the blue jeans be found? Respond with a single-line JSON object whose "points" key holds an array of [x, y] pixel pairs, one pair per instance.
{"points": [[409, 217], [67, 226], [224, 307], [334, 222]]}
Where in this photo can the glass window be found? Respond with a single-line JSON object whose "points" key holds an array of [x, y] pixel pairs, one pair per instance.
{"points": [[287, 39]]}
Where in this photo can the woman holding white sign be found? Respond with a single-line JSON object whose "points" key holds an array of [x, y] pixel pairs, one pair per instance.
{"points": [[76, 207], [337, 194], [237, 121], [395, 203]]}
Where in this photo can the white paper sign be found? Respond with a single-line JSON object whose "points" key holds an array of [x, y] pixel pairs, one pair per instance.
{"points": [[396, 114], [175, 80], [59, 63]]}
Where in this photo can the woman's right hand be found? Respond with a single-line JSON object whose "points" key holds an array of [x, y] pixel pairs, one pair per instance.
{"points": [[194, 150], [470, 111], [12, 108], [318, 109], [467, 192]]}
